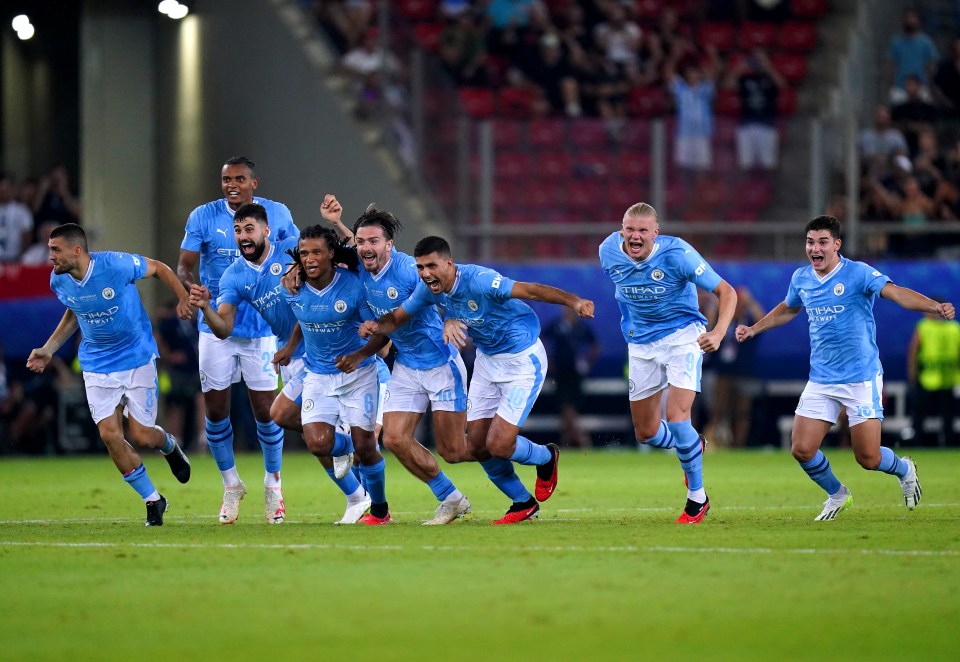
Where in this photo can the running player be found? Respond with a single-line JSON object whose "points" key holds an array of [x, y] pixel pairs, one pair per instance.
{"points": [[427, 371], [255, 280], [510, 367], [656, 279], [330, 306], [117, 352], [249, 350], [845, 370]]}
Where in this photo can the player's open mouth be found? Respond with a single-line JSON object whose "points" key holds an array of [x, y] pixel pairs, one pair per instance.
{"points": [[368, 258], [433, 284], [816, 259], [312, 270], [248, 247]]}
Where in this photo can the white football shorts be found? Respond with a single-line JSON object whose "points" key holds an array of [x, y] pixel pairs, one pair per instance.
{"points": [[225, 362], [136, 390], [340, 397], [675, 360], [443, 387], [823, 402], [506, 385], [293, 375]]}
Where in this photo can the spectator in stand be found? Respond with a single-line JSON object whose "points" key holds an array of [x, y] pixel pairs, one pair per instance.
{"points": [[369, 66], [912, 53], [463, 50], [347, 21], [758, 85], [55, 199], [455, 8], [27, 193], [510, 21], [16, 221], [670, 38], [619, 40], [947, 80], [572, 350], [38, 253], [929, 168], [882, 141], [914, 112], [693, 94], [933, 372], [549, 69]]}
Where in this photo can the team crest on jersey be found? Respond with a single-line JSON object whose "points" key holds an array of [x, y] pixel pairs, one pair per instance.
{"points": [[392, 293], [108, 293], [657, 275], [275, 268], [307, 405], [838, 289], [340, 306], [472, 305]]}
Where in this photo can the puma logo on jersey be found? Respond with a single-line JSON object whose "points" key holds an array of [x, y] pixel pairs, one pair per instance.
{"points": [[222, 231]]}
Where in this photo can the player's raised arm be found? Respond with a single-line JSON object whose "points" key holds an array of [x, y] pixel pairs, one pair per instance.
{"points": [[912, 300], [550, 294], [160, 270], [776, 317], [220, 319], [332, 211], [186, 264], [40, 357]]}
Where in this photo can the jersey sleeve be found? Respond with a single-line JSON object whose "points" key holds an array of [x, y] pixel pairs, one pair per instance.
{"points": [[873, 280], [229, 289], [793, 293], [696, 269], [420, 298], [193, 235], [286, 229], [132, 267], [493, 284]]}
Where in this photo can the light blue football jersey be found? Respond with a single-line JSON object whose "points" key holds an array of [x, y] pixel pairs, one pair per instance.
{"points": [[480, 298], [843, 331], [658, 295], [114, 328], [210, 233], [419, 342], [331, 319], [259, 285]]}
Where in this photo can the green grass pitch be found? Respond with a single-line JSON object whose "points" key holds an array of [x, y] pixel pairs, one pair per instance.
{"points": [[604, 574]]}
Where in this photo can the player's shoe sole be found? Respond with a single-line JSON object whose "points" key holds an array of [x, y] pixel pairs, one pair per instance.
{"points": [[155, 511], [342, 464], [520, 512], [547, 475], [693, 512]]}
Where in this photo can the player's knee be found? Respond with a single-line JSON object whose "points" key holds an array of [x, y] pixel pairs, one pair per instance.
{"points": [[500, 448], [318, 444], [646, 432], [452, 455], [868, 460], [393, 441], [368, 456], [802, 453]]}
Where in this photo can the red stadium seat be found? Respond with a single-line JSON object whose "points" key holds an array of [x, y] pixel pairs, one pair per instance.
{"points": [[646, 102], [428, 35], [791, 66], [727, 103], [588, 133], [478, 102], [622, 195], [634, 166], [754, 34], [512, 165], [548, 133], [552, 165], [797, 36], [719, 35], [586, 195], [544, 197], [787, 101], [417, 10], [508, 134], [515, 102], [649, 9], [594, 163], [808, 8]]}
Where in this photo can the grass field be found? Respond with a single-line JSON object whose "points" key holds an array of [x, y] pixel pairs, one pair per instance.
{"points": [[604, 574]]}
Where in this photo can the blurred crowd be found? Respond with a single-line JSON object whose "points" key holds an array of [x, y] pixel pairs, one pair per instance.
{"points": [[29, 210]]}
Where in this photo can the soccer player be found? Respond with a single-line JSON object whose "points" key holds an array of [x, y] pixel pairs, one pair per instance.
{"points": [[845, 370], [249, 350], [330, 306], [656, 279], [255, 280], [427, 370], [510, 367], [117, 352]]}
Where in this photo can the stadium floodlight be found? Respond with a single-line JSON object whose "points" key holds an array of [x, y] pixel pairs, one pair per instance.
{"points": [[179, 11], [166, 6], [20, 22], [26, 32]]}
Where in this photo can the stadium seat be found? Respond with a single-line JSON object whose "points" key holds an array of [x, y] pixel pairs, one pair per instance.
{"points": [[797, 36], [427, 35], [515, 102], [548, 133], [417, 10], [512, 165], [727, 103], [585, 195], [719, 35], [724, 132], [791, 66], [552, 164], [588, 133], [787, 101], [594, 163], [646, 102], [634, 166], [636, 135], [649, 9], [725, 160], [478, 102], [546, 197], [623, 194], [754, 34], [808, 8], [508, 134]]}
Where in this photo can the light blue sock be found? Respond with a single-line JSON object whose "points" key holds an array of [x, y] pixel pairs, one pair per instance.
{"points": [[501, 473], [891, 464], [169, 443], [342, 444], [375, 481], [528, 452], [441, 486], [689, 452], [140, 481], [220, 441], [271, 442], [662, 439], [820, 473], [348, 484]]}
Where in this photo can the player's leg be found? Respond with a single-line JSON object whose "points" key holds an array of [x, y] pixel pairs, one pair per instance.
{"points": [[816, 412], [689, 446], [647, 379], [140, 397], [865, 412]]}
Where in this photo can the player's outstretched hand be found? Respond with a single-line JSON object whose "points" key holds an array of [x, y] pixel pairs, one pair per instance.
{"points": [[455, 331], [199, 296], [946, 310], [368, 329], [330, 208], [348, 363], [185, 309], [39, 359], [584, 308], [743, 332], [710, 341]]}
